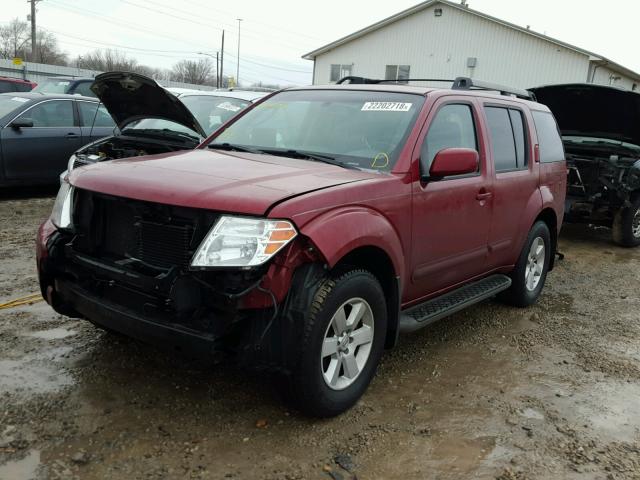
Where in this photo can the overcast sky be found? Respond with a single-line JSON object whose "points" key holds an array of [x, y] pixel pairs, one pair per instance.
{"points": [[276, 33]]}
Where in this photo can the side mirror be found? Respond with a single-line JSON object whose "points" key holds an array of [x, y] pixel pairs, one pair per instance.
{"points": [[453, 161], [21, 123]]}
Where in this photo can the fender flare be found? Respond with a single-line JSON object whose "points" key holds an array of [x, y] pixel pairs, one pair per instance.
{"points": [[340, 231]]}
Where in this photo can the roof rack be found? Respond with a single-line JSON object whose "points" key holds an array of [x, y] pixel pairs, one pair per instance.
{"points": [[460, 83]]}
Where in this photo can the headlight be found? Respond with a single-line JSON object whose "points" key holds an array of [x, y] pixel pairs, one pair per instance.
{"points": [[61, 214], [243, 242]]}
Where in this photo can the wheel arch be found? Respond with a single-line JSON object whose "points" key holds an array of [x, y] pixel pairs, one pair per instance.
{"points": [[376, 261]]}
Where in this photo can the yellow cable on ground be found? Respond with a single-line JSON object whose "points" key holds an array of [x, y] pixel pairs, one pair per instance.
{"points": [[16, 302]]}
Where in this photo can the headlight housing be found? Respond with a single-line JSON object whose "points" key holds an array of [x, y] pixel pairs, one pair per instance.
{"points": [[243, 242], [61, 214]]}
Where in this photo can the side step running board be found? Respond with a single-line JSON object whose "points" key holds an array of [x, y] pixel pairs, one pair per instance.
{"points": [[437, 308]]}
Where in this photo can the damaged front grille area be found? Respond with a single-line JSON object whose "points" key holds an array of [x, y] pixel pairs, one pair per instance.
{"points": [[136, 255], [153, 235]]}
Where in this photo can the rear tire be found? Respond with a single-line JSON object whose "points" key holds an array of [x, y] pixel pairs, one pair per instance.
{"points": [[626, 224], [530, 272], [340, 346]]}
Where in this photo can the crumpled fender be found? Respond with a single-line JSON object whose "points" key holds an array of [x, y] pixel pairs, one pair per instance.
{"points": [[340, 231]]}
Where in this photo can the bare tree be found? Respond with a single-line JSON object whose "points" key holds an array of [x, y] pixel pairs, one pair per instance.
{"points": [[48, 51], [192, 71], [106, 60], [14, 39]]}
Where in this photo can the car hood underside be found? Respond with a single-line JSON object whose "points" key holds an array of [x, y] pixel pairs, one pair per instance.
{"points": [[231, 182], [593, 110], [130, 96]]}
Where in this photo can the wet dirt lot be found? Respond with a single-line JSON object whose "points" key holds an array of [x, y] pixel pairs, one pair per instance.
{"points": [[493, 392]]}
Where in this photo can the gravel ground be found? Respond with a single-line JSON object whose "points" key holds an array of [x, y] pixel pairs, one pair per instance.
{"points": [[494, 392]]}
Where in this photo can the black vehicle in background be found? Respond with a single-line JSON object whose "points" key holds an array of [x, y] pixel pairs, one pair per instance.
{"points": [[69, 85], [39, 132], [600, 128]]}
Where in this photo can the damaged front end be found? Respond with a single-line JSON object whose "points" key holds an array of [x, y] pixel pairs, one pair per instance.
{"points": [[126, 266]]}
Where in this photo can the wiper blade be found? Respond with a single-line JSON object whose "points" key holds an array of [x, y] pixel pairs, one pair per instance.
{"points": [[318, 157], [232, 147]]}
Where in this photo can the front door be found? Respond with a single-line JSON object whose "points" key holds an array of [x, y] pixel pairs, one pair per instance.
{"points": [[451, 216], [41, 152]]}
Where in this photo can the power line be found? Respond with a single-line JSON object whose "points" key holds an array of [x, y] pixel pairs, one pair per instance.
{"points": [[110, 20], [173, 15], [207, 7]]}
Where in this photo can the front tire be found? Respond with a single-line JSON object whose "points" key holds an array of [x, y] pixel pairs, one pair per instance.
{"points": [[626, 224], [341, 345], [530, 272]]}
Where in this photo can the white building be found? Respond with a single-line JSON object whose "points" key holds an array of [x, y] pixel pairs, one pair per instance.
{"points": [[442, 39]]}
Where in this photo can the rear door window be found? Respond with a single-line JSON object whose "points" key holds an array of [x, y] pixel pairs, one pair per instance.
{"points": [[89, 117], [508, 138], [549, 141]]}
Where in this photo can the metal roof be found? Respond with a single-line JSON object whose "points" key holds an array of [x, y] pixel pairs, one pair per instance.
{"points": [[421, 6]]}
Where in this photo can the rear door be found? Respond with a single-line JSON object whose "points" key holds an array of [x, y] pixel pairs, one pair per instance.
{"points": [[515, 182], [451, 216], [95, 121], [41, 152]]}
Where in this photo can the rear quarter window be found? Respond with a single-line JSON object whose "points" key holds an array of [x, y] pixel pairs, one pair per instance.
{"points": [[549, 140]]}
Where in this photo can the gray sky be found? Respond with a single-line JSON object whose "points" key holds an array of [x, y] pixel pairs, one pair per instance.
{"points": [[275, 34]]}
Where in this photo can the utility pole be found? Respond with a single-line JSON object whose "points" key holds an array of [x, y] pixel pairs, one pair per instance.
{"points": [[222, 61], [238, 58], [34, 43], [217, 69]]}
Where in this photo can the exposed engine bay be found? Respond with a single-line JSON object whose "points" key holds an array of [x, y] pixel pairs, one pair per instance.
{"points": [[116, 147], [600, 182]]}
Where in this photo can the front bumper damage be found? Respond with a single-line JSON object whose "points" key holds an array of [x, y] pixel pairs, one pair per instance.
{"points": [[197, 313]]}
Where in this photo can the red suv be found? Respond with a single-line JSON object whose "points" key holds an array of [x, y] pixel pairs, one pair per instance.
{"points": [[306, 233]]}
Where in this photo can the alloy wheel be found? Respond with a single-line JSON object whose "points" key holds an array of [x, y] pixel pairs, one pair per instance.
{"points": [[347, 343], [535, 264]]}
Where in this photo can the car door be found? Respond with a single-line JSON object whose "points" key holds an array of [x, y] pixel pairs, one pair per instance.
{"points": [[95, 121], [451, 216], [515, 182], [41, 152]]}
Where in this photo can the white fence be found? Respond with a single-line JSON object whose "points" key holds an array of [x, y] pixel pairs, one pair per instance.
{"points": [[38, 72]]}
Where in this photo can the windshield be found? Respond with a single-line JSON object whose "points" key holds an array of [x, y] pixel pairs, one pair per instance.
{"points": [[53, 86], [361, 129], [9, 103]]}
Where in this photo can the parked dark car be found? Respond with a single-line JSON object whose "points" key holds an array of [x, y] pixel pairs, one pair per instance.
{"points": [[9, 84], [600, 128], [307, 232], [69, 85], [154, 119], [39, 132]]}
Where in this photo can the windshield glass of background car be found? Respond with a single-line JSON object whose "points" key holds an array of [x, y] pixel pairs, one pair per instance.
{"points": [[363, 129], [53, 86], [212, 111], [9, 103]]}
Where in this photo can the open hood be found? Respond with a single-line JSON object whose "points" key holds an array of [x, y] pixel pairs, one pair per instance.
{"points": [[593, 110], [130, 97]]}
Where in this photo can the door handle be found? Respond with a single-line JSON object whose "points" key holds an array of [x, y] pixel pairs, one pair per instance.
{"points": [[483, 195], [72, 135]]}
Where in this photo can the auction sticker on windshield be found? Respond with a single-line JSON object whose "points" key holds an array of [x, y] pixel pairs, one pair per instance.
{"points": [[229, 106], [386, 107]]}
